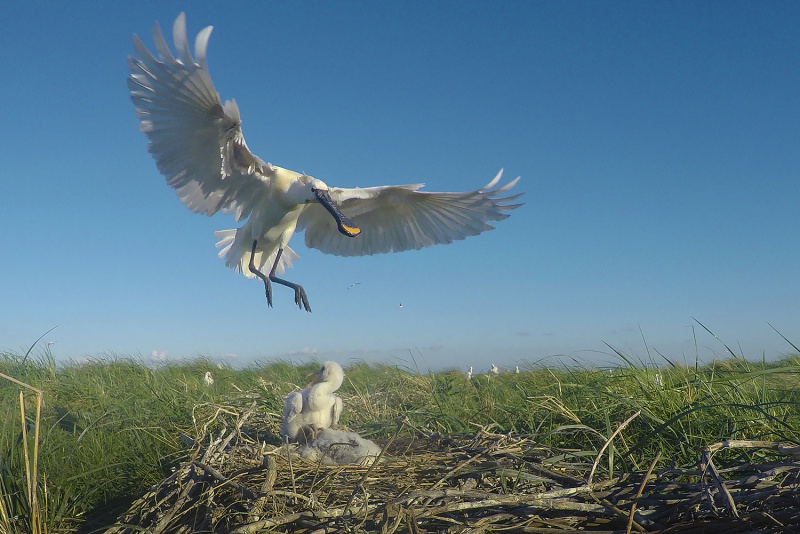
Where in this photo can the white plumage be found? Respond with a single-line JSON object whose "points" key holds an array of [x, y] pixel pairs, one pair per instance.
{"points": [[208, 379], [336, 447], [198, 146], [315, 408]]}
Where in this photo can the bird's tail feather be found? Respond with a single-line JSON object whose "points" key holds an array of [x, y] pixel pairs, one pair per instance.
{"points": [[237, 254]]}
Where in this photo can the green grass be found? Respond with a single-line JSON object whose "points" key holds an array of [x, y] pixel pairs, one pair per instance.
{"points": [[111, 428]]}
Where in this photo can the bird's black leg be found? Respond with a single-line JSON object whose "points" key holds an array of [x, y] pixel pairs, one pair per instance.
{"points": [[300, 297], [259, 274]]}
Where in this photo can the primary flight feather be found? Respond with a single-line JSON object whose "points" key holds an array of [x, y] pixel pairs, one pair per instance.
{"points": [[198, 146]]}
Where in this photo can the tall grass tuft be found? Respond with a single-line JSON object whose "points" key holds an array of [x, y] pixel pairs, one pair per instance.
{"points": [[19, 506], [96, 435]]}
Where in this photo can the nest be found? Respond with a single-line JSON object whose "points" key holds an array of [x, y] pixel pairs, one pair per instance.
{"points": [[465, 483]]}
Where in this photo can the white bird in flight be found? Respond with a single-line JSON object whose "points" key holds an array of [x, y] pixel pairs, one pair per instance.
{"points": [[316, 407], [198, 146]]}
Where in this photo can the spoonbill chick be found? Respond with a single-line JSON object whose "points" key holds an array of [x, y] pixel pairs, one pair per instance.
{"points": [[469, 373], [337, 447], [316, 407], [208, 379], [494, 370], [198, 146]]}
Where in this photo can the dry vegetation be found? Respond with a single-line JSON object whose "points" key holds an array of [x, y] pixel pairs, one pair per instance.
{"points": [[128, 448], [462, 483]]}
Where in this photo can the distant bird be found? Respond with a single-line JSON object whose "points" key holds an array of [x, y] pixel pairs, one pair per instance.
{"points": [[336, 447], [316, 407], [494, 370], [198, 146], [208, 379], [658, 379], [469, 373], [354, 285], [516, 369], [401, 305]]}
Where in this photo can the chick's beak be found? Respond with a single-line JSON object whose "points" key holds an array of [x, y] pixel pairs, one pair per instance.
{"points": [[344, 224], [317, 377]]}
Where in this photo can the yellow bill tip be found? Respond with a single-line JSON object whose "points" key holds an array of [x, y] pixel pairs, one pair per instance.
{"points": [[351, 230]]}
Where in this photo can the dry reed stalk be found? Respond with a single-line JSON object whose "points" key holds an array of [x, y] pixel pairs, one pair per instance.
{"points": [[607, 443], [639, 493], [31, 466], [468, 483]]}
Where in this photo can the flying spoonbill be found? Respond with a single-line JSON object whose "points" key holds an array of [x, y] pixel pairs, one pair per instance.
{"points": [[198, 146], [316, 407]]}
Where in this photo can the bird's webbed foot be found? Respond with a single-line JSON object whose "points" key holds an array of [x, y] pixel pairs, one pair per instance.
{"points": [[268, 291], [301, 299], [267, 284]]}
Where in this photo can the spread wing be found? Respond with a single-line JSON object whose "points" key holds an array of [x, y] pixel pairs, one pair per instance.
{"points": [[397, 218], [196, 141]]}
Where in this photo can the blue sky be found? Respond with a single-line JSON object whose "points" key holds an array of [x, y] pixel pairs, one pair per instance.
{"points": [[657, 144]]}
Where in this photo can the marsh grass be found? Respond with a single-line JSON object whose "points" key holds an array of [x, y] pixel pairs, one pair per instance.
{"points": [[19, 505], [113, 427]]}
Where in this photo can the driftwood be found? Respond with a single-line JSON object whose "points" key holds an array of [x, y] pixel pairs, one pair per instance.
{"points": [[466, 483]]}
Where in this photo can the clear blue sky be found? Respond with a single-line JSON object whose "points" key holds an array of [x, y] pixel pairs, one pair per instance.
{"points": [[658, 144]]}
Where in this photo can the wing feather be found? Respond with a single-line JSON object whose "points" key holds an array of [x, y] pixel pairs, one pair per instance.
{"points": [[397, 218], [196, 141], [292, 408]]}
